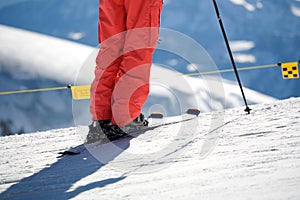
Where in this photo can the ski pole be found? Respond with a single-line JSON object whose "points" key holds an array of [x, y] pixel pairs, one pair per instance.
{"points": [[230, 55]]}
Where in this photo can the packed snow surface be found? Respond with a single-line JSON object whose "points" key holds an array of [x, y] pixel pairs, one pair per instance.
{"points": [[219, 155]]}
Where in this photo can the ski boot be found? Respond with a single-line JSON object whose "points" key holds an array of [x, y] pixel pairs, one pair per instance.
{"points": [[96, 131], [137, 124], [113, 132]]}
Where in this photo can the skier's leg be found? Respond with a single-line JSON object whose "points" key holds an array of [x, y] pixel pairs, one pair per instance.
{"points": [[112, 23], [132, 89]]}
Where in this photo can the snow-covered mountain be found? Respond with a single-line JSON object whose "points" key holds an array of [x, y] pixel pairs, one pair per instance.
{"points": [[254, 156], [38, 57], [267, 30]]}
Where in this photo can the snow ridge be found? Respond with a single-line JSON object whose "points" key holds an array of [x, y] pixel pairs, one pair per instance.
{"points": [[255, 156]]}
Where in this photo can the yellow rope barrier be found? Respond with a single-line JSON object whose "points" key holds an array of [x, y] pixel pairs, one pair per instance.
{"points": [[231, 70], [80, 90], [33, 90]]}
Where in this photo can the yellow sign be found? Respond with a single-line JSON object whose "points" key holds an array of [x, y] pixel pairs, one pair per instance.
{"points": [[81, 92], [290, 70]]}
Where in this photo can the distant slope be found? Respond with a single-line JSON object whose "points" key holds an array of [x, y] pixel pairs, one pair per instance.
{"points": [[254, 156], [41, 55], [27, 56], [270, 26]]}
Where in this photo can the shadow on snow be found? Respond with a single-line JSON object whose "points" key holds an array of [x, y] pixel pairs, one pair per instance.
{"points": [[54, 182]]}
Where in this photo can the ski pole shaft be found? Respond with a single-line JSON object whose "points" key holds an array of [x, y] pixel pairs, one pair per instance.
{"points": [[230, 55]]}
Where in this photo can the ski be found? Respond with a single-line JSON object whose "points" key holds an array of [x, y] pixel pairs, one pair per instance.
{"points": [[156, 120]]}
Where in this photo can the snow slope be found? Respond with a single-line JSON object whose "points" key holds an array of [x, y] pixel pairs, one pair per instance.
{"points": [[254, 156]]}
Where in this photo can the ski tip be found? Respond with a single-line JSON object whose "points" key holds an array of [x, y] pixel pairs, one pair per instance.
{"points": [[68, 152], [193, 111], [156, 115]]}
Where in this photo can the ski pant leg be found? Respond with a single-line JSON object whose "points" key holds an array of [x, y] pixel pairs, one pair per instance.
{"points": [[112, 24], [132, 89]]}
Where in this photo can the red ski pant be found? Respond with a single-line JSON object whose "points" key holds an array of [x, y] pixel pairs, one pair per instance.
{"points": [[128, 33]]}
